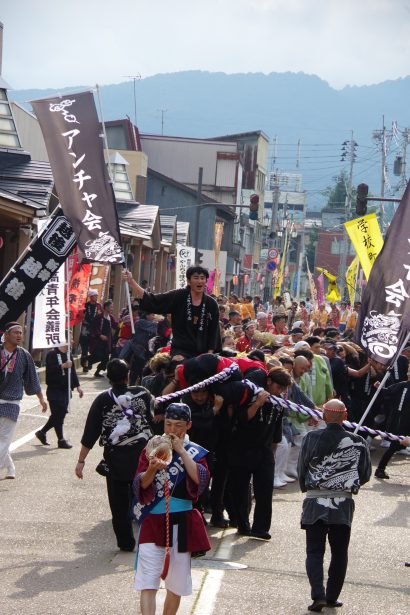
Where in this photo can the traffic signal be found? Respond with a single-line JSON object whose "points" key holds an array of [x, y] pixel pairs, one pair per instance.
{"points": [[254, 207], [199, 257], [361, 199]]}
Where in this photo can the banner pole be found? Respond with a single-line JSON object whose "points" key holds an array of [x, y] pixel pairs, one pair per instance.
{"points": [[68, 331], [386, 375], [105, 140]]}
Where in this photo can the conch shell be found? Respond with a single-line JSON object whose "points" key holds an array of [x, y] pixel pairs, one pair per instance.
{"points": [[160, 447]]}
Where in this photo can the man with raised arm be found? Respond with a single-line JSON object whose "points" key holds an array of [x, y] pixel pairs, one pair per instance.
{"points": [[195, 315]]}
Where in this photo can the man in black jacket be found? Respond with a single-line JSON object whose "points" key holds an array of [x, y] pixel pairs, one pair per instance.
{"points": [[195, 315], [333, 464], [58, 364]]}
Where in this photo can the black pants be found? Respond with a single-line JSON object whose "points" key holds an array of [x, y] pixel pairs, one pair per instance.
{"points": [[84, 343], [262, 478], [339, 537], [58, 410], [119, 497], [219, 479], [388, 454]]}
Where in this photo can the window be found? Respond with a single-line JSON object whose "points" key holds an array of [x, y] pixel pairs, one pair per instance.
{"points": [[8, 132], [121, 183]]}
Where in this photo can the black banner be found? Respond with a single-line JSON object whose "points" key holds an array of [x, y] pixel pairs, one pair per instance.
{"points": [[72, 136], [384, 318], [46, 253]]}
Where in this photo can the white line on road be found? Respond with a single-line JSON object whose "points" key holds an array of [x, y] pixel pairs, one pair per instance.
{"points": [[208, 593], [23, 440]]}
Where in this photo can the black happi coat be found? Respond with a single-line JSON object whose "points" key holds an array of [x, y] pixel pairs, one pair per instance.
{"points": [[187, 339], [57, 377], [332, 460]]}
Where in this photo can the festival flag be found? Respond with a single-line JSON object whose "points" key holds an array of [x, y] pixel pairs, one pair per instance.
{"points": [[384, 319], [219, 231], [367, 240], [49, 328], [185, 258], [77, 291], [99, 280], [320, 282], [71, 133], [313, 291], [28, 276], [351, 277]]}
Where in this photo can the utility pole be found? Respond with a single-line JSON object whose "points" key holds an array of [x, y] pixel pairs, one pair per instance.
{"points": [[163, 112], [198, 207], [135, 78], [351, 153]]}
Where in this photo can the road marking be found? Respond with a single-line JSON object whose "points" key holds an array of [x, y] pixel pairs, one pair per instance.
{"points": [[206, 599], [23, 440]]}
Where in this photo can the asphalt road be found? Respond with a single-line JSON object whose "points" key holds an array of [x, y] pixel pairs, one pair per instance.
{"points": [[58, 555]]}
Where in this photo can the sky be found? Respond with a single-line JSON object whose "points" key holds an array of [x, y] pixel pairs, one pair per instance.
{"points": [[52, 44]]}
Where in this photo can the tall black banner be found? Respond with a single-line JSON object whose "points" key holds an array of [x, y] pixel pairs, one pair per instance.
{"points": [[72, 136], [384, 319], [46, 253]]}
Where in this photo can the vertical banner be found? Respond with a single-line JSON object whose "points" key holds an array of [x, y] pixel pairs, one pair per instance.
{"points": [[367, 240], [77, 291], [185, 258], [28, 276], [49, 328], [99, 279], [320, 281], [71, 131], [312, 287], [384, 318], [351, 278], [219, 231]]}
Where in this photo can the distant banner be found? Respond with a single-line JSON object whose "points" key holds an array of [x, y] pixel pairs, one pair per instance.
{"points": [[49, 328], [384, 318], [219, 231], [312, 287], [351, 278], [185, 258], [77, 291], [71, 131], [47, 252], [367, 240], [99, 279], [320, 283]]}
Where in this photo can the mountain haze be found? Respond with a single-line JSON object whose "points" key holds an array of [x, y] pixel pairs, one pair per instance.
{"points": [[292, 106]]}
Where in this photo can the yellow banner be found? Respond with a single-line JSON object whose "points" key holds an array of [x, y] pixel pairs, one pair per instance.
{"points": [[351, 277], [367, 240], [219, 231]]}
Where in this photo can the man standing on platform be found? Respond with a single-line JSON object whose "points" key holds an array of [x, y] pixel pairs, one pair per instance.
{"points": [[333, 464], [195, 315]]}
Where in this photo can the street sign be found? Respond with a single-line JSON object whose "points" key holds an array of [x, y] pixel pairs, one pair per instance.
{"points": [[273, 253], [271, 265]]}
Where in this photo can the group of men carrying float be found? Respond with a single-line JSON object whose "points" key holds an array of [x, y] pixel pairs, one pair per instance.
{"points": [[333, 464]]}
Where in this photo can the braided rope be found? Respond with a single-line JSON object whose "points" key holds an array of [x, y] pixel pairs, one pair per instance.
{"points": [[319, 415], [167, 531], [221, 377]]}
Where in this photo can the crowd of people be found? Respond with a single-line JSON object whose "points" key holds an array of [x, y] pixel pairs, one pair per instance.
{"points": [[231, 442]]}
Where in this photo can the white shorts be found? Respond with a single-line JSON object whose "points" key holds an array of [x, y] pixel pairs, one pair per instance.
{"points": [[151, 562]]}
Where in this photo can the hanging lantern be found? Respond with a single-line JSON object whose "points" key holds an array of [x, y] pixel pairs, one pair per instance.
{"points": [[258, 277], [246, 278], [235, 280]]}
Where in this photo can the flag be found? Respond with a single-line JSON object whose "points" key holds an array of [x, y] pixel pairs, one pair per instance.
{"points": [[77, 291], [320, 281], [313, 291], [71, 133], [351, 277], [367, 240], [384, 318], [28, 276], [49, 329], [185, 258]]}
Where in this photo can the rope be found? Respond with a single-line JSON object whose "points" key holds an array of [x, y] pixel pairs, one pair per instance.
{"points": [[223, 375], [167, 530]]}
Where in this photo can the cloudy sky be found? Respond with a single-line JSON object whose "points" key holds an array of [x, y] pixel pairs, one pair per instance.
{"points": [[49, 43]]}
